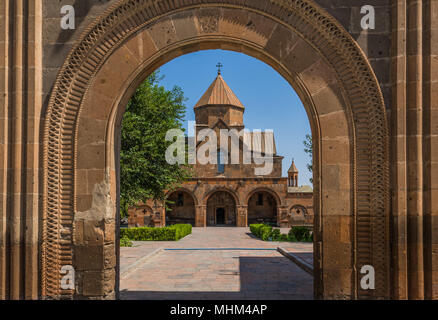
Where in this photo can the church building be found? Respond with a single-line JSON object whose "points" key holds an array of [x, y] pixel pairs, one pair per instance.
{"points": [[228, 193]]}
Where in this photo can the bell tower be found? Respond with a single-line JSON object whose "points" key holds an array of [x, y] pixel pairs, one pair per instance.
{"points": [[292, 180]]}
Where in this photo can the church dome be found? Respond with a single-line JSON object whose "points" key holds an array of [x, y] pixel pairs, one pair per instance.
{"points": [[219, 93]]}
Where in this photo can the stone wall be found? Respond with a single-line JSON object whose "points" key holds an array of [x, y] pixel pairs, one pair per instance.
{"points": [[201, 198], [57, 43], [374, 43], [301, 210]]}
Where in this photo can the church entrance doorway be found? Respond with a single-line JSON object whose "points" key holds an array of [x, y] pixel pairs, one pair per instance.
{"points": [[220, 216], [221, 209]]}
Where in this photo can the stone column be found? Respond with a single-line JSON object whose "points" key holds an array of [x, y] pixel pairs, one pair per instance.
{"points": [[20, 108], [163, 216], [281, 215], [33, 120], [430, 148], [16, 245], [201, 216], [398, 154], [4, 138], [414, 137], [242, 216], [161, 210], [415, 148]]}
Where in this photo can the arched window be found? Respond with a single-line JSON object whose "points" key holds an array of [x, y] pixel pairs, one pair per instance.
{"points": [[260, 199]]}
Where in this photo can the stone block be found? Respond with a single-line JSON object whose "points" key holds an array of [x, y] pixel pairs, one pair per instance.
{"points": [[91, 156], [184, 23], [281, 43], [208, 20], [93, 130], [110, 232], [338, 284], [110, 256], [93, 283], [94, 232], [336, 151], [336, 202], [334, 125], [109, 282], [84, 202], [300, 58], [163, 33], [89, 258], [318, 76]]}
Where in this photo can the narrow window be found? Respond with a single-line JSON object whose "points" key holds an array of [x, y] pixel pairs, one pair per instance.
{"points": [[260, 199], [180, 201], [220, 162]]}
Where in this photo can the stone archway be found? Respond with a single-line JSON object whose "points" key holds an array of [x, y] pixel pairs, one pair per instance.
{"points": [[297, 38], [263, 207], [181, 208], [221, 208]]}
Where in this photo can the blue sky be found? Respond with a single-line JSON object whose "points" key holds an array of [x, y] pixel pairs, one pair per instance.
{"points": [[269, 100]]}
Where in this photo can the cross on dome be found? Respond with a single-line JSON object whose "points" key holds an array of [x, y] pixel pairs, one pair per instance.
{"points": [[219, 66]]}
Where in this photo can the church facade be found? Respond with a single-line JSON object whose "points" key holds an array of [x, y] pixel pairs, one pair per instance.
{"points": [[226, 192]]}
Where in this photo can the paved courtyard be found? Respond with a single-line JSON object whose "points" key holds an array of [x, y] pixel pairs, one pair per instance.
{"points": [[214, 263]]}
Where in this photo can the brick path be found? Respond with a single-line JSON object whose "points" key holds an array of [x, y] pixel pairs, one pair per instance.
{"points": [[215, 274]]}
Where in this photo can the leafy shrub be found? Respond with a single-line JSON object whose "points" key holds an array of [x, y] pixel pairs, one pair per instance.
{"points": [[261, 231], [182, 230], [255, 229], [301, 234], [275, 235], [267, 233], [172, 233], [283, 237], [125, 242], [291, 236]]}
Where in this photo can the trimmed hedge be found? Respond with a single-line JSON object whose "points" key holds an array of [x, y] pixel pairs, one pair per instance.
{"points": [[301, 234], [267, 233], [261, 231], [125, 242], [171, 233]]}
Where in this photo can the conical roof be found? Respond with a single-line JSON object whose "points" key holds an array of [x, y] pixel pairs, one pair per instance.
{"points": [[293, 168], [219, 93]]}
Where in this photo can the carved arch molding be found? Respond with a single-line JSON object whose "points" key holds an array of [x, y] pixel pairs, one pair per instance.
{"points": [[317, 27]]}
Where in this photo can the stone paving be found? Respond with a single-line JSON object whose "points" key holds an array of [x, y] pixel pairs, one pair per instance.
{"points": [[306, 256], [215, 273]]}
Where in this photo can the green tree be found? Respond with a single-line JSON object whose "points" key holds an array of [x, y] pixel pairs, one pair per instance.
{"points": [[144, 172], [308, 148]]}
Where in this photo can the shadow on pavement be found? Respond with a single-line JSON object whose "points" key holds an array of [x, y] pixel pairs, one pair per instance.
{"points": [[261, 278]]}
